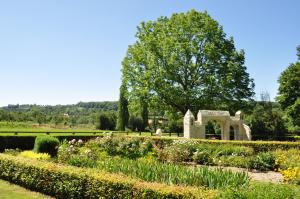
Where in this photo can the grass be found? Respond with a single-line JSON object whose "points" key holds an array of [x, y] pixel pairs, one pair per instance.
{"points": [[9, 191]]}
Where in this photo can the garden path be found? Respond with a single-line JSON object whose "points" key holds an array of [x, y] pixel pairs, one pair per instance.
{"points": [[268, 176]]}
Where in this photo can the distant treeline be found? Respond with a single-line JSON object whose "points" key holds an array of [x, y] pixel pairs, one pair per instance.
{"points": [[72, 115]]}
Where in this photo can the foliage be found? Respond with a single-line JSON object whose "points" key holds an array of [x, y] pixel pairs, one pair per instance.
{"points": [[46, 144], [263, 191], [187, 62], [82, 113], [153, 171], [266, 121], [124, 147], [144, 113], [13, 152], [289, 92], [147, 169], [136, 123], [288, 163], [62, 181], [263, 161], [33, 155], [184, 150], [123, 114], [106, 121], [202, 157], [71, 153]]}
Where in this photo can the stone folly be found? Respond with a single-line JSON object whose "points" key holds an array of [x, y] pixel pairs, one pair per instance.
{"points": [[196, 128]]}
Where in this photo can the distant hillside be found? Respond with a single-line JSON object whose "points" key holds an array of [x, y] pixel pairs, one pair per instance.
{"points": [[71, 115], [101, 106]]}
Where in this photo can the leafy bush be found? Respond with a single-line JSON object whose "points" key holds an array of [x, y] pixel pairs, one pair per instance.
{"points": [[46, 144], [263, 161], [257, 146], [136, 123], [233, 161], [62, 181], [178, 151], [72, 153], [106, 121], [123, 146], [202, 157], [33, 155]]}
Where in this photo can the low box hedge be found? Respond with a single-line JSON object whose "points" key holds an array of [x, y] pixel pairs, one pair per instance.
{"points": [[63, 181], [27, 142], [258, 146]]}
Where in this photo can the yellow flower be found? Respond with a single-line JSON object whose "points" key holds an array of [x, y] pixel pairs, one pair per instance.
{"points": [[33, 155]]}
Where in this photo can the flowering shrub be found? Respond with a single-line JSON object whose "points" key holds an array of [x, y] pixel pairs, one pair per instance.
{"points": [[178, 151], [123, 146], [190, 150], [288, 164], [33, 155], [13, 152], [75, 154]]}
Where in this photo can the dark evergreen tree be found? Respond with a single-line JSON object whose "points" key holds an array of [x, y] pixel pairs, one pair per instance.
{"points": [[123, 114]]}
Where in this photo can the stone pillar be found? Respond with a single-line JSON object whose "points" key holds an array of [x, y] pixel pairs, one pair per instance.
{"points": [[188, 124], [226, 131]]}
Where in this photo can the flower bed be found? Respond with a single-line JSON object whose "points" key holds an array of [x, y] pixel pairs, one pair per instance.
{"points": [[70, 182]]}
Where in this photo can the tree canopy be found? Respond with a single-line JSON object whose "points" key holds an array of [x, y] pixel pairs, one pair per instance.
{"points": [[289, 91], [187, 62]]}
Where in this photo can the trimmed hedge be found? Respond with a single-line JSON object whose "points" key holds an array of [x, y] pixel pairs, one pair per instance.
{"points": [[27, 142], [258, 146], [46, 144], [63, 181]]}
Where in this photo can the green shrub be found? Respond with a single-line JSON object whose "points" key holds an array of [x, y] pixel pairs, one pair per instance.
{"points": [[233, 161], [106, 121], [257, 146], [263, 161], [46, 144], [178, 151], [122, 146], [136, 123], [202, 157], [62, 181]]}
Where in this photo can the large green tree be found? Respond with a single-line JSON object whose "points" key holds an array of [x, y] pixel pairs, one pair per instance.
{"points": [[188, 63], [289, 91]]}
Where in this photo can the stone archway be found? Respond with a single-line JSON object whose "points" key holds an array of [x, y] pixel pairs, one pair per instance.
{"points": [[196, 129]]}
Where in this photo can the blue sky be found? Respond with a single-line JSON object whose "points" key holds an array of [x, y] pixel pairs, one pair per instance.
{"points": [[63, 52]]}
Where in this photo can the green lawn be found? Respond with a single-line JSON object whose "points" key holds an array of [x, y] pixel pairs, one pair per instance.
{"points": [[11, 191]]}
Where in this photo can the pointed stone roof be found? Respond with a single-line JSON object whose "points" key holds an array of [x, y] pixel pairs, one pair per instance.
{"points": [[189, 114]]}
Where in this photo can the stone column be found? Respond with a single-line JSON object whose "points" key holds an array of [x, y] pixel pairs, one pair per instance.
{"points": [[226, 131]]}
